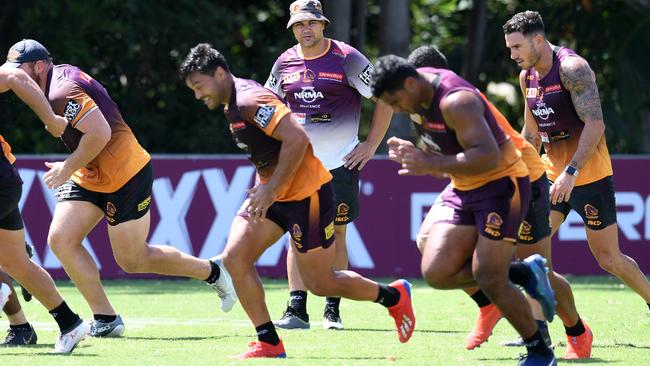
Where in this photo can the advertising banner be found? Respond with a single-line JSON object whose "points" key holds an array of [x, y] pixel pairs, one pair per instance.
{"points": [[196, 197]]}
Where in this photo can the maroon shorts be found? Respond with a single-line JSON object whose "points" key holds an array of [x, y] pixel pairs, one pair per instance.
{"points": [[310, 221], [496, 208]]}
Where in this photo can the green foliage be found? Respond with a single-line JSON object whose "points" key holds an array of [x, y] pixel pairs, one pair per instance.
{"points": [[134, 48]]}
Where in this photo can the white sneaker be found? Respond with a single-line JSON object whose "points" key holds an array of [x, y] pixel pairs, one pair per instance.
{"points": [[68, 341], [224, 287], [5, 292]]}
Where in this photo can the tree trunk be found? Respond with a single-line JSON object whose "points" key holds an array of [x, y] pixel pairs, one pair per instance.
{"points": [[359, 26], [339, 12], [475, 41], [394, 38]]}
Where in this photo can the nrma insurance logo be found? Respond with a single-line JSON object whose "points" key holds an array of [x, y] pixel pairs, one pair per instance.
{"points": [[308, 94]]}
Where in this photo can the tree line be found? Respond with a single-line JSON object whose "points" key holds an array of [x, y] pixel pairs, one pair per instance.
{"points": [[134, 47]]}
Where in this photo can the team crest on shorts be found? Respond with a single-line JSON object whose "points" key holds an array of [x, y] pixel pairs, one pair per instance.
{"points": [[525, 230], [297, 233], [493, 224], [342, 212], [110, 212], [591, 213]]}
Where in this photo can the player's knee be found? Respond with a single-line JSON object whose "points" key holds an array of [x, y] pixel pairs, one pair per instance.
{"points": [[489, 282], [235, 263], [607, 262], [319, 287], [435, 278], [129, 264], [60, 243]]}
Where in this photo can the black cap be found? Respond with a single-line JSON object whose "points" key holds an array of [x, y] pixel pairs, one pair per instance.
{"points": [[27, 50]]}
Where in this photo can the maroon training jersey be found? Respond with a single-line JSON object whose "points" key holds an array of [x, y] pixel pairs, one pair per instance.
{"points": [[254, 112], [73, 94], [441, 139], [559, 125]]}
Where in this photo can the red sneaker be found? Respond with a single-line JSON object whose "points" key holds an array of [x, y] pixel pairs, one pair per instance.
{"points": [[259, 349], [488, 317], [402, 312], [580, 346]]}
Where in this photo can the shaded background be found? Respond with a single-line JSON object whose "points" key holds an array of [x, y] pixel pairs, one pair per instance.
{"points": [[134, 47]]}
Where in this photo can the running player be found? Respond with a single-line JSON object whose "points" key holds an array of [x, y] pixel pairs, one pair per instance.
{"points": [[107, 174], [292, 193], [563, 113], [534, 235], [322, 80], [13, 257], [473, 224]]}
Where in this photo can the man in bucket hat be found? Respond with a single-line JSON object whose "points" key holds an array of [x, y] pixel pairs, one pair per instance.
{"points": [[322, 80]]}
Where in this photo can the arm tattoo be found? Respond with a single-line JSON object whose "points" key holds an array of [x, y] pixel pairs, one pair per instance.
{"points": [[534, 139], [579, 80]]}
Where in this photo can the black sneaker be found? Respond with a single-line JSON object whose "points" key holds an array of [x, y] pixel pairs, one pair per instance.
{"points": [[20, 337], [518, 342], [292, 319], [332, 319]]}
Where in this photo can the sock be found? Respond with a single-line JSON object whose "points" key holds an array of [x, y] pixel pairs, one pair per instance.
{"points": [[519, 273], [266, 333], [480, 299], [25, 326], [298, 301], [104, 318], [332, 303], [387, 296], [575, 330], [536, 344], [214, 273], [64, 317]]}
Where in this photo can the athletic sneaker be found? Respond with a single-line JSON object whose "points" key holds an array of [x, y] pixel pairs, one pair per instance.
{"points": [[539, 287], [519, 342], [223, 285], [20, 337], [30, 252], [5, 292], [260, 349], [402, 312], [332, 319], [580, 346], [68, 341], [100, 328], [293, 319], [536, 359], [488, 317]]}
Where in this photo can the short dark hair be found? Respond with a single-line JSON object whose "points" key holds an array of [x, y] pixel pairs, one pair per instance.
{"points": [[428, 56], [527, 22], [390, 73], [203, 59]]}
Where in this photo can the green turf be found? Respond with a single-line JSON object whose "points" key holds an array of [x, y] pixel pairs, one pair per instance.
{"points": [[180, 323]]}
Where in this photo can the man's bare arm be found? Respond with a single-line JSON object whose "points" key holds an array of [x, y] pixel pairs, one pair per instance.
{"points": [[579, 80]]}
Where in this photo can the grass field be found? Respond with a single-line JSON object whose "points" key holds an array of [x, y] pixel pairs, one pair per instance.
{"points": [[180, 323]]}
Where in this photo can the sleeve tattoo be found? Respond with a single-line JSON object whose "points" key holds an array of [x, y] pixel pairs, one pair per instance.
{"points": [[579, 80]]}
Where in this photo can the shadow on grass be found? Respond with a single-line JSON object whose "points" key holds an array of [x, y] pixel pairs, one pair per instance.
{"points": [[385, 330], [191, 338], [615, 345], [590, 360], [358, 358]]}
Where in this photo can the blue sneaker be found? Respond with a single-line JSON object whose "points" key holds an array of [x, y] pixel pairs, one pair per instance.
{"points": [[539, 287], [536, 359]]}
